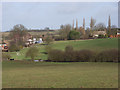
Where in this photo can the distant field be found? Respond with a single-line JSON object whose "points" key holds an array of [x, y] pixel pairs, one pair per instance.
{"points": [[95, 45], [33, 33], [42, 33], [19, 74]]}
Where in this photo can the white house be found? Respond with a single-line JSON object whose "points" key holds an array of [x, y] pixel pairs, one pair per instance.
{"points": [[34, 40], [40, 40]]}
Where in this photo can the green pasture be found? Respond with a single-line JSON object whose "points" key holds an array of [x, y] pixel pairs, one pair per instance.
{"points": [[27, 74], [96, 45]]}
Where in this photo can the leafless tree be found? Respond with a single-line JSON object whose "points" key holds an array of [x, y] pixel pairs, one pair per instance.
{"points": [[100, 27], [92, 23], [64, 31], [18, 33], [109, 24]]}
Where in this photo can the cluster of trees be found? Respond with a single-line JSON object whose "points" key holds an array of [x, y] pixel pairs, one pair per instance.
{"points": [[71, 55], [18, 37], [69, 32]]}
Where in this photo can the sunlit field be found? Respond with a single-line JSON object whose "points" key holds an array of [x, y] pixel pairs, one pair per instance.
{"points": [[96, 45], [19, 74]]}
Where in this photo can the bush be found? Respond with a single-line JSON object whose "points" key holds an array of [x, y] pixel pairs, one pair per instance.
{"points": [[101, 36], [6, 56], [32, 52], [73, 35], [69, 55], [56, 55], [48, 48], [108, 56], [85, 56], [106, 36], [58, 38], [68, 48], [13, 48], [48, 40]]}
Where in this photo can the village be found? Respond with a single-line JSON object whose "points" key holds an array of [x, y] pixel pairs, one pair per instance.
{"points": [[39, 36]]}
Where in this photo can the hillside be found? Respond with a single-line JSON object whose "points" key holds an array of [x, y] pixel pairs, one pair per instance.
{"points": [[95, 45]]}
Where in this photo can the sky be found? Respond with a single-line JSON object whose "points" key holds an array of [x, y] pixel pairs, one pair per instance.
{"points": [[38, 15]]}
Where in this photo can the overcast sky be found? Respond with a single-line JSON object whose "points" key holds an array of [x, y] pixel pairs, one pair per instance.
{"points": [[38, 15]]}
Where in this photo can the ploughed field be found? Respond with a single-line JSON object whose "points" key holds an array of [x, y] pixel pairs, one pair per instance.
{"points": [[96, 45], [27, 74]]}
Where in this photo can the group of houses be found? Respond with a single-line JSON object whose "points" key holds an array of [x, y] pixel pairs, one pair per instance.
{"points": [[114, 32], [31, 41]]}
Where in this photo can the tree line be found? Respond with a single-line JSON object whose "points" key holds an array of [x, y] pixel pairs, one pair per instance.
{"points": [[69, 32], [18, 34]]}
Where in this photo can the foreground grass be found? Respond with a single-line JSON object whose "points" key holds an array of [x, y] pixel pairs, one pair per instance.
{"points": [[19, 74], [96, 45]]}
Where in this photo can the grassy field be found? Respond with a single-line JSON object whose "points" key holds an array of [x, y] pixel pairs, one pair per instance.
{"points": [[95, 45], [19, 74], [28, 74]]}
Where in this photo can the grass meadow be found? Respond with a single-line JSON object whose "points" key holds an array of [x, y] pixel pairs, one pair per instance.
{"points": [[96, 45], [26, 74]]}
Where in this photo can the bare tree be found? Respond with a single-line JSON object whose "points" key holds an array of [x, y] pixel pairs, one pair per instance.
{"points": [[76, 24], [83, 26], [73, 25], [109, 24], [92, 23], [100, 27], [18, 33], [84, 23], [64, 31]]}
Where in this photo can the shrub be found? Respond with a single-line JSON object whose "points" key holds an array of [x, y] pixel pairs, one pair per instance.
{"points": [[58, 38], [48, 48], [73, 35], [101, 36], [48, 40], [85, 56], [56, 55], [68, 48], [68, 54], [32, 52], [108, 56], [106, 36], [6, 56], [13, 48]]}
